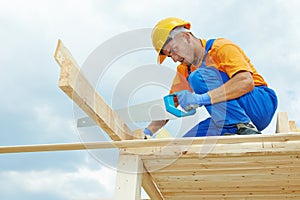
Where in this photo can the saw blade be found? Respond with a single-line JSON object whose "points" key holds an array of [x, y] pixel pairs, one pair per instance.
{"points": [[147, 112], [144, 112]]}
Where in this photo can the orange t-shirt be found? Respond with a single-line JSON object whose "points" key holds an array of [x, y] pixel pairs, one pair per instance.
{"points": [[226, 57]]}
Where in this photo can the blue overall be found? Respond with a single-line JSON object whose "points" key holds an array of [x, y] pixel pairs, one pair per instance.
{"points": [[257, 106]]}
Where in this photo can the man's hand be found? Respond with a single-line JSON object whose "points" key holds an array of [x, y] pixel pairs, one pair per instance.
{"points": [[142, 134], [188, 100]]}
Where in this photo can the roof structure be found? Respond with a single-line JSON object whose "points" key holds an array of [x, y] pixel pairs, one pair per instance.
{"points": [[224, 167], [220, 167]]}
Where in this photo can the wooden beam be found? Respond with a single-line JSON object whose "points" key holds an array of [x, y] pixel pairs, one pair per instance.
{"points": [[150, 187], [78, 88], [157, 143], [282, 125], [292, 125], [129, 177]]}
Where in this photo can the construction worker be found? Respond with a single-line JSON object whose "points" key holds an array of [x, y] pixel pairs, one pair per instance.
{"points": [[216, 74]]}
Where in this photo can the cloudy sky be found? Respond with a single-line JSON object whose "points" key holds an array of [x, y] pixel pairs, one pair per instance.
{"points": [[33, 110]]}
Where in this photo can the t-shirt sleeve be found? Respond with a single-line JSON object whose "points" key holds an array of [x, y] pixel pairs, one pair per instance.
{"points": [[180, 80], [232, 60]]}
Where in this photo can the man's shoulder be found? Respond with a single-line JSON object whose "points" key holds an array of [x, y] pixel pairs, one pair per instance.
{"points": [[222, 41], [221, 44]]}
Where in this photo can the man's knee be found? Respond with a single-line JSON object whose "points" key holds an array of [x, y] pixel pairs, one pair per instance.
{"points": [[204, 79]]}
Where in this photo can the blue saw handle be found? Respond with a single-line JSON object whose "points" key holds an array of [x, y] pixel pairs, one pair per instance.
{"points": [[171, 108]]}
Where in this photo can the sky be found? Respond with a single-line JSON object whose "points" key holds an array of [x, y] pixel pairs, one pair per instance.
{"points": [[33, 110]]}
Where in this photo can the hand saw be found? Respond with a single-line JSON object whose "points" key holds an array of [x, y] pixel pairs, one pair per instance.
{"points": [[145, 112]]}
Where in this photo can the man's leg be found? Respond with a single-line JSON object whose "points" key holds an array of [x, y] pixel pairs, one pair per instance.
{"points": [[260, 105], [209, 128]]}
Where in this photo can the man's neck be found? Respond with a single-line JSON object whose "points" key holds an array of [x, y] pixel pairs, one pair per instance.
{"points": [[199, 52]]}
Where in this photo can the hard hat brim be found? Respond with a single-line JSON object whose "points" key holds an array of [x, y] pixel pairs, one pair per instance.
{"points": [[161, 58]]}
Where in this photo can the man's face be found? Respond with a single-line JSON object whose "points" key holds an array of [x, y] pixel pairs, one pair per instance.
{"points": [[179, 49]]}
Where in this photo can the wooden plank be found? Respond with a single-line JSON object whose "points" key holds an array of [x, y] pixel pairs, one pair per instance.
{"points": [[222, 143], [233, 188], [224, 171], [230, 184], [200, 193], [245, 149], [237, 197], [224, 150], [220, 160], [292, 125], [51, 147], [129, 177], [221, 163], [150, 187], [222, 188], [248, 196], [234, 180], [282, 125], [79, 89], [231, 177], [231, 197], [209, 168]]}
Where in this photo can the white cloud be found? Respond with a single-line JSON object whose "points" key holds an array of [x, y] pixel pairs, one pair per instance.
{"points": [[52, 121], [85, 183]]}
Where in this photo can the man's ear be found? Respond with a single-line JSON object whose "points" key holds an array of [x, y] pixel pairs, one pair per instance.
{"points": [[187, 36]]}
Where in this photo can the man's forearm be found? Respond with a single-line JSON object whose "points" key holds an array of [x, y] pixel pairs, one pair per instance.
{"points": [[156, 125], [237, 86]]}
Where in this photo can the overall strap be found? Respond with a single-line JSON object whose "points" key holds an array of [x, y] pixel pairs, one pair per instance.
{"points": [[208, 46]]}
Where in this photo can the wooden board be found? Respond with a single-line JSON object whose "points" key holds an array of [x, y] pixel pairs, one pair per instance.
{"points": [[282, 125], [150, 146], [258, 170], [79, 89], [129, 177]]}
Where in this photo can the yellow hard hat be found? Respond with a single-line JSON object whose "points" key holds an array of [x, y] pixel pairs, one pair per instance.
{"points": [[161, 32]]}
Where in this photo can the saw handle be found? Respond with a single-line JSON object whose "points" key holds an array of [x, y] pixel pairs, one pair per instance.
{"points": [[171, 108]]}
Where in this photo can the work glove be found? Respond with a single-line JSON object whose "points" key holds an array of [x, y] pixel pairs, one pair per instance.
{"points": [[142, 134], [188, 100], [147, 132]]}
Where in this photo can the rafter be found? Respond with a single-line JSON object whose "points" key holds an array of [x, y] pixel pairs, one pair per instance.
{"points": [[78, 88]]}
